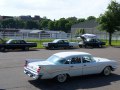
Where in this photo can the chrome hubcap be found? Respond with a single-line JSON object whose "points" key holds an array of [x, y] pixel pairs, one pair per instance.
{"points": [[62, 77]]}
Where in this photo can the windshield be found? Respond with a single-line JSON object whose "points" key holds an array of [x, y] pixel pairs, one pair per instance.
{"points": [[55, 41], [54, 59]]}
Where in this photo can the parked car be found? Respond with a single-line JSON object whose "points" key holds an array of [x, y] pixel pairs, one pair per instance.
{"points": [[62, 65], [60, 43], [90, 40], [16, 44]]}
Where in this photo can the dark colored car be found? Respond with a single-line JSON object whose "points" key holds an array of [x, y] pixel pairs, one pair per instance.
{"points": [[91, 42], [60, 43], [16, 44]]}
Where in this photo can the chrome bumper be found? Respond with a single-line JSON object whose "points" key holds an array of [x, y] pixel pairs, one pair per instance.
{"points": [[32, 74]]}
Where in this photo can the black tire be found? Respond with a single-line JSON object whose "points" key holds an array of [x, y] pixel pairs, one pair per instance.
{"points": [[3, 49], [52, 47], [106, 71], [80, 46], [47, 47], [26, 49], [100, 46], [61, 78]]}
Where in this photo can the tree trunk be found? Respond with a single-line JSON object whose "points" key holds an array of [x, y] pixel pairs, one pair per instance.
{"points": [[110, 38]]}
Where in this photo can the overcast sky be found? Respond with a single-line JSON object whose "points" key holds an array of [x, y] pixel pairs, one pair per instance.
{"points": [[54, 9]]}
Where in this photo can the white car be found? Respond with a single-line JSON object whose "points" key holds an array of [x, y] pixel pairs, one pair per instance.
{"points": [[68, 64]]}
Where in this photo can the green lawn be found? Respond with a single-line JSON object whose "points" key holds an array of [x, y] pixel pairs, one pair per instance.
{"points": [[40, 42], [114, 43]]}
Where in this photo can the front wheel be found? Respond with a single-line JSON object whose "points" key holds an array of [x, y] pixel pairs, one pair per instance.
{"points": [[61, 78], [100, 46], [106, 71]]}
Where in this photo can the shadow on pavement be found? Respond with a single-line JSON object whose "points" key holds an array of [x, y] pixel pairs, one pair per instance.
{"points": [[18, 50], [82, 82]]}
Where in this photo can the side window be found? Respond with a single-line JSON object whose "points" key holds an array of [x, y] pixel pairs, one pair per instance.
{"points": [[60, 41], [66, 41], [13, 42], [86, 59], [75, 60], [64, 61], [22, 42]]}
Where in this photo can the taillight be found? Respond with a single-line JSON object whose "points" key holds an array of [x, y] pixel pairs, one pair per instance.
{"points": [[26, 62], [38, 70]]}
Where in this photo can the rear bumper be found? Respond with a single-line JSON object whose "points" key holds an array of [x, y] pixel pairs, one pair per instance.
{"points": [[32, 74]]}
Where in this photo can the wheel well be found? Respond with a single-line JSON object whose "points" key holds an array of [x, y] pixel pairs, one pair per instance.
{"points": [[108, 66], [67, 75], [111, 68], [63, 73]]}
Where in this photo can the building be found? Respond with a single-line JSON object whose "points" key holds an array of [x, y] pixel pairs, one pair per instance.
{"points": [[49, 34], [25, 17], [88, 26], [6, 17]]}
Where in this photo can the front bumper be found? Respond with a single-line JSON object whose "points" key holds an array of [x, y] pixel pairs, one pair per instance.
{"points": [[114, 68], [32, 74]]}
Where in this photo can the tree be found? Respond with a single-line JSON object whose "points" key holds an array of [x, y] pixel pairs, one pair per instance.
{"points": [[31, 24], [80, 20], [91, 18], [20, 24], [61, 24], [67, 27], [110, 20], [79, 32], [44, 23], [51, 25], [72, 20], [8, 23]]}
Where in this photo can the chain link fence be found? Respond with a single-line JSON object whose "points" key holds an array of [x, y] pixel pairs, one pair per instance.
{"points": [[39, 36]]}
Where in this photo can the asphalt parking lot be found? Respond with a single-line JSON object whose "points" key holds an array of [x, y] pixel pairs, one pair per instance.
{"points": [[13, 78]]}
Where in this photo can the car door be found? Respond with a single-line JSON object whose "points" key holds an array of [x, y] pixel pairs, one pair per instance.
{"points": [[75, 66], [62, 43], [90, 66]]}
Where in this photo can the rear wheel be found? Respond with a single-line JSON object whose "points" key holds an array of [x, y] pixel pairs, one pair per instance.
{"points": [[26, 49], [61, 78], [52, 47], [100, 46], [106, 71], [2, 49]]}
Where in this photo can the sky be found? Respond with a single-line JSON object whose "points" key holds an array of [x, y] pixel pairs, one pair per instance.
{"points": [[54, 9]]}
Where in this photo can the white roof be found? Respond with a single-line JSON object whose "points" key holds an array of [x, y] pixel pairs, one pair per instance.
{"points": [[72, 53], [56, 40], [89, 35]]}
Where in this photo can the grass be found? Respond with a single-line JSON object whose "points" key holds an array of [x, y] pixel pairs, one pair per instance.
{"points": [[114, 43], [40, 42]]}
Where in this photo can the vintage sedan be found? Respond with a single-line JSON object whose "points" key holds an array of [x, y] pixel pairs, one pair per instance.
{"points": [[60, 43], [62, 65]]}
